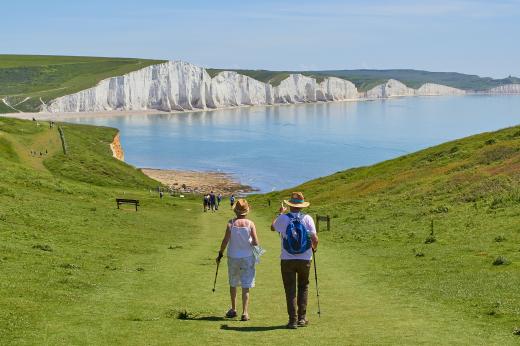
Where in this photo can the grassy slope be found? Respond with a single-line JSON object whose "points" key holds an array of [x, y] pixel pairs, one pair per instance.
{"points": [[48, 77], [367, 79], [470, 188], [76, 270]]}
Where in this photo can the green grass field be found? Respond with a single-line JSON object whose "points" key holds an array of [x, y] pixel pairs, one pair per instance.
{"points": [[75, 270], [24, 79]]}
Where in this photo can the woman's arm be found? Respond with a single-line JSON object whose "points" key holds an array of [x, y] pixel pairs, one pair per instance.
{"points": [[224, 243], [254, 235]]}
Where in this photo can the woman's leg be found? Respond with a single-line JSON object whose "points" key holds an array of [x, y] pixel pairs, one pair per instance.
{"points": [[245, 301], [233, 294]]}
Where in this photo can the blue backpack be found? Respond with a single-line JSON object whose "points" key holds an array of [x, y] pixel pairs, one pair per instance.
{"points": [[297, 240]]}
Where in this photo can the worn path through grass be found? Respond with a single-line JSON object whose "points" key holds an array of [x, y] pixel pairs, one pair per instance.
{"points": [[142, 307]]}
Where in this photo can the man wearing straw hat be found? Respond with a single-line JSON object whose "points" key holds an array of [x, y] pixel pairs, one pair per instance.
{"points": [[299, 240]]}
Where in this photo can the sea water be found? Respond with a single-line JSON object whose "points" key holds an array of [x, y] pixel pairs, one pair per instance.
{"points": [[277, 147]]}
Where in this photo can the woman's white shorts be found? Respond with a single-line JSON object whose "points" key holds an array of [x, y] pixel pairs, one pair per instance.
{"points": [[241, 271]]}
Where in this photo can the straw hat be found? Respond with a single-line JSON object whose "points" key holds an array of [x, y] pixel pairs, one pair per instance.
{"points": [[241, 207], [297, 200]]}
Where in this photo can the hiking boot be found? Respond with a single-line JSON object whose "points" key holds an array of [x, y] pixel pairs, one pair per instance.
{"points": [[303, 322], [231, 313], [291, 325]]}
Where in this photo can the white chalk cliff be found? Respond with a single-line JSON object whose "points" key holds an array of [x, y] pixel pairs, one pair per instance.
{"points": [[181, 86], [505, 89], [431, 89]]}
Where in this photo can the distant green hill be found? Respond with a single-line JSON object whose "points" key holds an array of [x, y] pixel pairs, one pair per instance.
{"points": [[24, 79], [367, 79]]}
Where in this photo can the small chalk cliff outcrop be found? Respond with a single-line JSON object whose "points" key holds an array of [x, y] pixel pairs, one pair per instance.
{"points": [[181, 86], [505, 89], [392, 88], [431, 89]]}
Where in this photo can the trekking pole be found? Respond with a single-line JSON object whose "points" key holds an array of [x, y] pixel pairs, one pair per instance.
{"points": [[215, 282], [316, 279]]}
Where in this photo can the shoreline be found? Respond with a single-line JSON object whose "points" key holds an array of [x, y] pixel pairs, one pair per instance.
{"points": [[63, 116], [188, 181]]}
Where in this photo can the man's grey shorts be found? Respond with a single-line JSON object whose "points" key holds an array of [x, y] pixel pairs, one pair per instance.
{"points": [[241, 272]]}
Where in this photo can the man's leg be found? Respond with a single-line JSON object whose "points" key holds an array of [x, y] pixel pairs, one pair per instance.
{"points": [[303, 269], [289, 284]]}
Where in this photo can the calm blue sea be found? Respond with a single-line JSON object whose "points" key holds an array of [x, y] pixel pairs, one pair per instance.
{"points": [[282, 146]]}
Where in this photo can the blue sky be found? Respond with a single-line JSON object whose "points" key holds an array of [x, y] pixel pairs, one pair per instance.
{"points": [[477, 37]]}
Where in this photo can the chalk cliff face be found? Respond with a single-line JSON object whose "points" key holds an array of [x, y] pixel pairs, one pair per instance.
{"points": [[392, 88], [332, 89], [431, 89], [169, 86], [181, 86], [506, 89], [295, 88], [233, 89]]}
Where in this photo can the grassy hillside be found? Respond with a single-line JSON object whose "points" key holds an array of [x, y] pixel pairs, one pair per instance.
{"points": [[76, 270], [440, 226], [24, 79], [367, 79]]}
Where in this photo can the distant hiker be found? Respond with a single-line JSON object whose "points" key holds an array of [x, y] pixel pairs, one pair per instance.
{"points": [[161, 194], [241, 237], [299, 240], [219, 199], [212, 201], [206, 202], [232, 200]]}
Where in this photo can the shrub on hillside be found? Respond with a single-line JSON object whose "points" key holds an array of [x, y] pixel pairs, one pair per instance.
{"points": [[501, 260], [497, 153]]}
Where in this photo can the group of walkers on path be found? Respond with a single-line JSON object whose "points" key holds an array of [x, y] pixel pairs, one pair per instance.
{"points": [[298, 242], [211, 201]]}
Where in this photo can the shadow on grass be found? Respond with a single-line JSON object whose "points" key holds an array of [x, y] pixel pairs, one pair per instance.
{"points": [[207, 318], [202, 318], [251, 328]]}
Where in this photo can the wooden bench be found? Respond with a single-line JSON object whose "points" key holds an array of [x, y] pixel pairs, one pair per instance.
{"points": [[120, 201]]}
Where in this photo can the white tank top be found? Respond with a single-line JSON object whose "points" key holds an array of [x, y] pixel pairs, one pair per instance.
{"points": [[240, 241]]}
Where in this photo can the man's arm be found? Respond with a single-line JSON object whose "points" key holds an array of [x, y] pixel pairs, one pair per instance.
{"points": [[282, 210], [314, 241], [314, 233]]}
